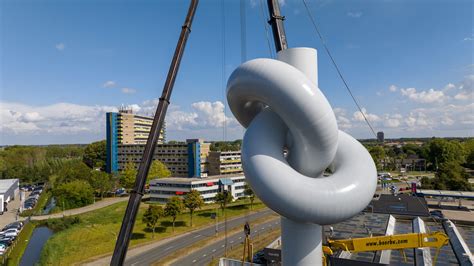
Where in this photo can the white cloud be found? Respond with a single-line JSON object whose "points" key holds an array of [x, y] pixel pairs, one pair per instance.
{"points": [[429, 96], [469, 39], [55, 119], [128, 90], [392, 88], [357, 14], [342, 121], [109, 84], [357, 116], [282, 2], [466, 89], [60, 46]]}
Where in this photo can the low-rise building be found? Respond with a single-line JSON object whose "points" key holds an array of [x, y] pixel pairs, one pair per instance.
{"points": [[163, 189], [9, 189], [224, 163]]}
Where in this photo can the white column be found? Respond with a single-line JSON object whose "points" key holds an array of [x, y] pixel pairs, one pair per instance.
{"points": [[300, 243]]}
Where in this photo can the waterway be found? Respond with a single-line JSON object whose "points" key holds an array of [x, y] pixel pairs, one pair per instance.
{"points": [[33, 250]]}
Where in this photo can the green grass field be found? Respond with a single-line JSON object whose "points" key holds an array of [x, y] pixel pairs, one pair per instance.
{"points": [[97, 232]]}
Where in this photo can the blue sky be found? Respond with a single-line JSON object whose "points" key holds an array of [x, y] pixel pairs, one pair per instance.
{"points": [[65, 63]]}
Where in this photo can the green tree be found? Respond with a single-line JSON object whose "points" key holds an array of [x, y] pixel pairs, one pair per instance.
{"points": [[151, 217], [440, 151], [158, 170], [452, 176], [223, 198], [95, 154], [248, 191], [128, 175], [378, 154], [73, 170], [193, 200], [74, 194], [101, 182], [173, 208], [469, 150]]}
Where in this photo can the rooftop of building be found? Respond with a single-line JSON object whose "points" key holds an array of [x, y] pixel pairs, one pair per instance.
{"points": [[5, 184], [187, 180]]}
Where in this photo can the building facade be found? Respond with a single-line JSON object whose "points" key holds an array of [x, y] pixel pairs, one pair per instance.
{"points": [[163, 189], [225, 163], [183, 159], [380, 137], [9, 189], [126, 128]]}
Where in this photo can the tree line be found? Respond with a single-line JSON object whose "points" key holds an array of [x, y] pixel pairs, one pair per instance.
{"points": [[447, 158]]}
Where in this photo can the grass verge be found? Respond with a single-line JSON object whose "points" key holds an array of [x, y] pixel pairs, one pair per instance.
{"points": [[18, 248], [97, 232]]}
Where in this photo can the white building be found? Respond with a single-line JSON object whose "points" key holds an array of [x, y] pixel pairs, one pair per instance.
{"points": [[163, 189], [9, 189]]}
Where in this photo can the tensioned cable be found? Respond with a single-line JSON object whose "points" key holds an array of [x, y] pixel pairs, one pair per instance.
{"points": [[265, 25], [337, 68], [224, 127], [243, 32]]}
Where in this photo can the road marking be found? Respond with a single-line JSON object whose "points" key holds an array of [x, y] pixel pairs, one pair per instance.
{"points": [[168, 248], [214, 250], [197, 236]]}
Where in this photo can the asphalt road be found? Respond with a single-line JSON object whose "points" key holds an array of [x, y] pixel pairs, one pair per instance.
{"points": [[216, 250], [154, 255]]}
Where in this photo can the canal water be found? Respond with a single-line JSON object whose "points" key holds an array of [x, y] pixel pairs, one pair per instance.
{"points": [[51, 204], [33, 250]]}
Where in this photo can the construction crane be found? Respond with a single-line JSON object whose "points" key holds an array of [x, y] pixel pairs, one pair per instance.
{"points": [[394, 242]]}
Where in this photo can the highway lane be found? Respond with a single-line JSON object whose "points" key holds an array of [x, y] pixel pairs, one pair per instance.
{"points": [[216, 250], [155, 254]]}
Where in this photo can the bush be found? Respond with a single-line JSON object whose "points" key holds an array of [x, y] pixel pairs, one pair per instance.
{"points": [[62, 223]]}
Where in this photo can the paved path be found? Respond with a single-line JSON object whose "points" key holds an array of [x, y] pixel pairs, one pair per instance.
{"points": [[98, 205], [216, 250]]}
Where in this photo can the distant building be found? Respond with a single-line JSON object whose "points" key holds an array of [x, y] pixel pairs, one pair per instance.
{"points": [[164, 188], [126, 128], [183, 159], [380, 136], [224, 163]]}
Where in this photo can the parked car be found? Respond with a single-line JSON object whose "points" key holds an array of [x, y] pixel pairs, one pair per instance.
{"points": [[11, 230], [6, 242], [8, 235], [16, 225]]}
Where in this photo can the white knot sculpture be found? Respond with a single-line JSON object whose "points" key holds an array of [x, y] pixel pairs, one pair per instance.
{"points": [[280, 104]]}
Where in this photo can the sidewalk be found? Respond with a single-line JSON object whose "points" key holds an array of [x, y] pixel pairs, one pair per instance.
{"points": [[98, 205]]}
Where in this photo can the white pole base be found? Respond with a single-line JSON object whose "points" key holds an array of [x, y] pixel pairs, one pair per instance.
{"points": [[301, 243]]}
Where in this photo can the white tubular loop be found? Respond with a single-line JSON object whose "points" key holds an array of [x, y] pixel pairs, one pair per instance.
{"points": [[281, 107]]}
